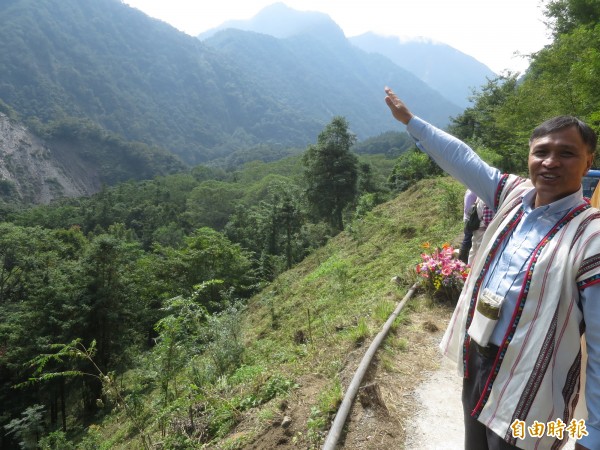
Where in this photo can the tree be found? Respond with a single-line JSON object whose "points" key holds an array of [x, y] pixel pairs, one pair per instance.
{"points": [[109, 305], [212, 202], [288, 218], [570, 14], [207, 255], [480, 121], [563, 79], [39, 276], [280, 218], [29, 428], [271, 230], [176, 342], [411, 167], [331, 173], [367, 182], [501, 121]]}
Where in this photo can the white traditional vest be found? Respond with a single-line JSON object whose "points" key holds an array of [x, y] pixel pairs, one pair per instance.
{"points": [[538, 372]]}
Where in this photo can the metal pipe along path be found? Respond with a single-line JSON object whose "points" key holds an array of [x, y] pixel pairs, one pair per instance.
{"points": [[340, 418]]}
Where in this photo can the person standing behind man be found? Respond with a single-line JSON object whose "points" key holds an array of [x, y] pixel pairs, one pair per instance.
{"points": [[533, 291], [485, 216], [467, 242]]}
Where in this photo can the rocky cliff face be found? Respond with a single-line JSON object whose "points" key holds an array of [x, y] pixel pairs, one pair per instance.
{"points": [[33, 172]]}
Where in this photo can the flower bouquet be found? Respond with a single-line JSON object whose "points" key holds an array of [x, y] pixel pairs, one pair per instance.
{"points": [[442, 274]]}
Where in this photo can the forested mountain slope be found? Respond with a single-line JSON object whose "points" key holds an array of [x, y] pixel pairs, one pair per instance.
{"points": [[187, 361], [146, 81], [329, 77], [445, 69]]}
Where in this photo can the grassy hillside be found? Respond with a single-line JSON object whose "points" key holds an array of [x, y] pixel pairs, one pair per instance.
{"points": [[299, 334]]}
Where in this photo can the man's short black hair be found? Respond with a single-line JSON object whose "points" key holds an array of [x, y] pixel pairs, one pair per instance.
{"points": [[589, 136]]}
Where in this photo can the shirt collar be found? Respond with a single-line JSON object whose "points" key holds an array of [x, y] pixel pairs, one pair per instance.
{"points": [[559, 206]]}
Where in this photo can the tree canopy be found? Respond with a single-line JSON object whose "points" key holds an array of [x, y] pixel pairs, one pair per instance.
{"points": [[562, 79], [331, 172]]}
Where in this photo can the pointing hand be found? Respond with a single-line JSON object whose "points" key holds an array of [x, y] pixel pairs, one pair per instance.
{"points": [[398, 108]]}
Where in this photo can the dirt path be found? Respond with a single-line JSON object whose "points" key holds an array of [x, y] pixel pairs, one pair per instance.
{"points": [[438, 423]]}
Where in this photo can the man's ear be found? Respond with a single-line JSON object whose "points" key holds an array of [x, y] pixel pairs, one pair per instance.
{"points": [[590, 161]]}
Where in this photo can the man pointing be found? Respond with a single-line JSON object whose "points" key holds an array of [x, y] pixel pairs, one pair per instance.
{"points": [[533, 292]]}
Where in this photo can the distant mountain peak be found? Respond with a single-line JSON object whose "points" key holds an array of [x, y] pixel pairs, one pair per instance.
{"points": [[281, 21], [398, 39], [443, 67]]}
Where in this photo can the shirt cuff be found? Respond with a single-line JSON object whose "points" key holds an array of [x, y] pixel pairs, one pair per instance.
{"points": [[592, 440], [415, 127]]}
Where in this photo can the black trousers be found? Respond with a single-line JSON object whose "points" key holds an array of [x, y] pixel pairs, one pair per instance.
{"points": [[465, 245], [477, 435]]}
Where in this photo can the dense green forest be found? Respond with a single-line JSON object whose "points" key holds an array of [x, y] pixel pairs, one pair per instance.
{"points": [[105, 269], [166, 310]]}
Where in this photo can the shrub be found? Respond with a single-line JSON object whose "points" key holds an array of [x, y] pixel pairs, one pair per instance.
{"points": [[411, 167]]}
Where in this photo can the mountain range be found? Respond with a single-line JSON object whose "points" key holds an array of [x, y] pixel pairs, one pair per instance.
{"points": [[275, 83], [449, 71]]}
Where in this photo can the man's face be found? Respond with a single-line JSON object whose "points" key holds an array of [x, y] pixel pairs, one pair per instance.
{"points": [[557, 162]]}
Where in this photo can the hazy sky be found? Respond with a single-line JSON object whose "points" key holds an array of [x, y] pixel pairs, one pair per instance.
{"points": [[489, 30]]}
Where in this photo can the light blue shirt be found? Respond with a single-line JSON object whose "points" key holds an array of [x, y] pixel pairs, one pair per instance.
{"points": [[506, 275]]}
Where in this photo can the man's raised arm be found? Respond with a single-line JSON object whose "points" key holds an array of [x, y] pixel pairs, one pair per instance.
{"points": [[455, 157]]}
